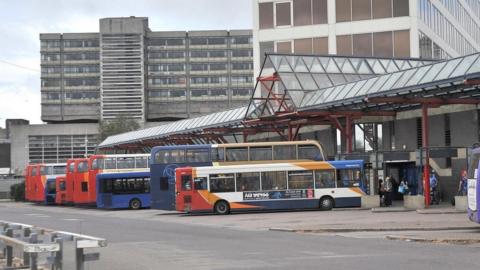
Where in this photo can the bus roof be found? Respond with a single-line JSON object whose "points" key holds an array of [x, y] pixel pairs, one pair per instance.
{"points": [[285, 166], [268, 143], [183, 146], [123, 174]]}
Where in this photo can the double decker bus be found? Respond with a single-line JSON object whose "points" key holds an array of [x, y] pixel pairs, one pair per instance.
{"points": [[473, 186], [86, 170], [165, 159], [123, 190], [36, 179], [269, 186]]}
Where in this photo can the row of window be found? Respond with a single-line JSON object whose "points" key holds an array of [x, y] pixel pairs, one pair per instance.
{"points": [[68, 96], [463, 17], [200, 80], [70, 43], [71, 69], [245, 153], [199, 41], [430, 50], [199, 92], [445, 29], [474, 5], [137, 185], [59, 148], [310, 12], [71, 82], [380, 44], [121, 163], [49, 57], [200, 67], [276, 180]]}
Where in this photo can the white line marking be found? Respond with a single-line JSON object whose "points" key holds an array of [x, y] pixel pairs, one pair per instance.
{"points": [[72, 219]]}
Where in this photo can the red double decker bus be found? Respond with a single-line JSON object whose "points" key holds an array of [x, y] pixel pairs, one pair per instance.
{"points": [[31, 180], [36, 176]]}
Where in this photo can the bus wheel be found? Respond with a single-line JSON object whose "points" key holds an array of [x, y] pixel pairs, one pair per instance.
{"points": [[135, 204], [221, 208], [326, 203]]}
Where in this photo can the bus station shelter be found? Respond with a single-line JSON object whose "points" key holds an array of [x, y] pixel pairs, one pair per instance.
{"points": [[296, 91]]}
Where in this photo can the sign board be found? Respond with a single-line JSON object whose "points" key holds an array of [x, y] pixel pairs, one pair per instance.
{"points": [[278, 194]]}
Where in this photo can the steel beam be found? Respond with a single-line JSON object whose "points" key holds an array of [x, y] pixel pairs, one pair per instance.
{"points": [[432, 101]]}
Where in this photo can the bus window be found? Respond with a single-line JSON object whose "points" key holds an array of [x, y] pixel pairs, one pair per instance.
{"points": [[170, 156], [324, 179], [200, 183], [222, 183], [125, 163], [58, 170], [51, 187], [197, 155], [218, 154], [186, 182], [284, 152], [82, 166], [97, 164], [308, 152], [260, 153], [236, 154], [44, 170], [84, 186], [248, 181], [106, 186], [34, 171], [71, 167], [141, 162], [146, 185], [110, 163], [348, 178], [274, 180], [62, 186], [300, 179]]}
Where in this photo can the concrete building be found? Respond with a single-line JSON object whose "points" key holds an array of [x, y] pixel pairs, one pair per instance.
{"points": [[379, 28], [128, 70]]}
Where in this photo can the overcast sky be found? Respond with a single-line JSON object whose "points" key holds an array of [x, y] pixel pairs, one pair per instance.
{"points": [[21, 21]]}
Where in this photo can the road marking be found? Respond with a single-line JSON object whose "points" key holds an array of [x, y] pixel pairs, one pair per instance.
{"points": [[72, 219]]}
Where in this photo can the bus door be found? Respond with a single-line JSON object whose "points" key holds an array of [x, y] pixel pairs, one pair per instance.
{"points": [[184, 189], [50, 191], [61, 190], [69, 178]]}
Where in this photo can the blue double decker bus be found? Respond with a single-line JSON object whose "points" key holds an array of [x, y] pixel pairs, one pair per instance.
{"points": [[123, 190], [165, 159]]}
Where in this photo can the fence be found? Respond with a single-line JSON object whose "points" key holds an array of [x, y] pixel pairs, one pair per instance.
{"points": [[28, 247]]}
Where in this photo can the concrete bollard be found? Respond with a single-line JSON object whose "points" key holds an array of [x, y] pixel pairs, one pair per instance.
{"points": [[461, 203], [370, 201], [414, 202], [9, 249], [26, 256]]}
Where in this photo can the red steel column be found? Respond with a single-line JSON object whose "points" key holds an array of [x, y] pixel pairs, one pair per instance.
{"points": [[348, 134], [426, 166], [290, 133]]}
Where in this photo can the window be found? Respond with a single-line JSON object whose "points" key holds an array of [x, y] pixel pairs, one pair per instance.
{"points": [[362, 45], [401, 43], [284, 47], [125, 162], [300, 179], [218, 154], [200, 183], [198, 41], [284, 152], [260, 153], [216, 41], [344, 45], [71, 167], [400, 8], [141, 162], [274, 180], [348, 178], [110, 163], [130, 185], [325, 179], [382, 44], [199, 54], [361, 10], [303, 46], [248, 181], [98, 164], [343, 10], [84, 186], [283, 15], [222, 183], [310, 152], [82, 166], [319, 11], [186, 182], [302, 11], [236, 154], [170, 156], [382, 9], [197, 155], [51, 187], [320, 45], [58, 169], [62, 186]]}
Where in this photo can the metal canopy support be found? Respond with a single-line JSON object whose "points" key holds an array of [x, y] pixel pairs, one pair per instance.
{"points": [[426, 167]]}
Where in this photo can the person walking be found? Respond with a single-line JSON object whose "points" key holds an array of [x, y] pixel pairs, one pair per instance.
{"points": [[434, 188], [462, 185], [381, 192], [388, 187]]}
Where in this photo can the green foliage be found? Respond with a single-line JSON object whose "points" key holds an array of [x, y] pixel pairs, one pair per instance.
{"points": [[17, 192], [117, 126]]}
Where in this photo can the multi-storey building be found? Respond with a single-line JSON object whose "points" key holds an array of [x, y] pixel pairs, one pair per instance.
{"points": [[380, 28], [128, 70]]}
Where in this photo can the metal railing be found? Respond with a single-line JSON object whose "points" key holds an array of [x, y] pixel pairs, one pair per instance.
{"points": [[27, 247]]}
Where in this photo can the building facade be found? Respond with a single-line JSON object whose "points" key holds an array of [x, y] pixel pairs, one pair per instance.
{"points": [[378, 28], [127, 70]]}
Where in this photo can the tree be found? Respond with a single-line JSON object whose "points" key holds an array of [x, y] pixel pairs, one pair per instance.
{"points": [[117, 126]]}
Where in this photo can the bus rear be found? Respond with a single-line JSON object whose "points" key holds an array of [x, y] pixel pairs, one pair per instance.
{"points": [[69, 178], [29, 183], [81, 185], [123, 190], [61, 190], [50, 191], [473, 190]]}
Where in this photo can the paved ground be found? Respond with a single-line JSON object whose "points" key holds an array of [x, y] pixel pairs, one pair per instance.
{"points": [[152, 239]]}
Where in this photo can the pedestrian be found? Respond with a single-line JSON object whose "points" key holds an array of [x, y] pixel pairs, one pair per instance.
{"points": [[403, 187], [434, 188], [388, 187], [462, 185], [381, 192]]}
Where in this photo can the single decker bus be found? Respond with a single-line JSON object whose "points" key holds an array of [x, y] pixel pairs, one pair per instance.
{"points": [[123, 190], [269, 186]]}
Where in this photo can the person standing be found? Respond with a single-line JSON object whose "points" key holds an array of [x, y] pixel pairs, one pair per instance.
{"points": [[462, 185], [434, 188], [388, 187], [381, 192]]}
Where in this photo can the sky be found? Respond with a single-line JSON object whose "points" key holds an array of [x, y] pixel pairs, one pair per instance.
{"points": [[21, 22]]}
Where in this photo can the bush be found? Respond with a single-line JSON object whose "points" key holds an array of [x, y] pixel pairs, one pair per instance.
{"points": [[17, 192]]}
